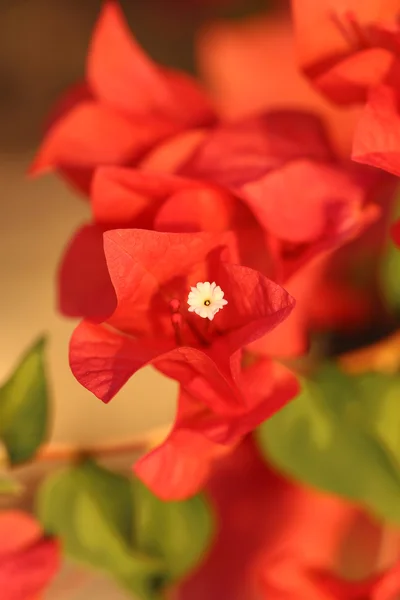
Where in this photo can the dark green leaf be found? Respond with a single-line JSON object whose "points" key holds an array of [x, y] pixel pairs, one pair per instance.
{"points": [[24, 407]]}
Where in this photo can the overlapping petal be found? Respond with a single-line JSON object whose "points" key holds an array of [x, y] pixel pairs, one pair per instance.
{"points": [[345, 47], [181, 465], [377, 138], [127, 105], [235, 153], [148, 271]]}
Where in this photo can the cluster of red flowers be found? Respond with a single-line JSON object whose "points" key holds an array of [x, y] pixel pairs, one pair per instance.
{"points": [[191, 209], [179, 196]]}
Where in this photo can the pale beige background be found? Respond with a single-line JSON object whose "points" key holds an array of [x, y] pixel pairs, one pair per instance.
{"points": [[36, 219]]}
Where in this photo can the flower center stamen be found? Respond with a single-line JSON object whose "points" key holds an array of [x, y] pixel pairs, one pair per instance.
{"points": [[206, 299]]}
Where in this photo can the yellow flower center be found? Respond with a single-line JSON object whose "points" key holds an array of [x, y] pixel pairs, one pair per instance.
{"points": [[207, 302]]}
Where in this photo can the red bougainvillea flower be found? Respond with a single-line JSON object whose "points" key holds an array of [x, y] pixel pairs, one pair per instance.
{"points": [[128, 198], [126, 106], [241, 176], [152, 274], [28, 561], [179, 467], [383, 586], [346, 47], [281, 165], [239, 60], [270, 532]]}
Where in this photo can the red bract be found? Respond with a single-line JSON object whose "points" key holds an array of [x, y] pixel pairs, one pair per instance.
{"points": [[152, 274], [127, 198], [282, 167], [239, 60], [28, 561], [346, 47], [269, 532], [181, 465], [127, 105], [383, 586], [376, 140]]}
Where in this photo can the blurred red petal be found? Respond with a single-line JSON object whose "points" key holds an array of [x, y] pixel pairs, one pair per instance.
{"points": [[236, 153], [395, 231], [27, 573], [240, 59], [85, 288], [377, 137], [122, 76], [18, 530], [274, 201], [178, 468]]}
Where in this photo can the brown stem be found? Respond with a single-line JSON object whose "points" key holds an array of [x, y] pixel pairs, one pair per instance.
{"points": [[69, 452]]}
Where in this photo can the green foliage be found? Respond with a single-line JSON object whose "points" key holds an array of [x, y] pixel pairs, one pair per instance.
{"points": [[24, 407], [390, 270], [114, 524], [179, 532], [340, 435]]}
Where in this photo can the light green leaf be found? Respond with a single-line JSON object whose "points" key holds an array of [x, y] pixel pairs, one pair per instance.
{"points": [[325, 438], [178, 532], [89, 508], [24, 407]]}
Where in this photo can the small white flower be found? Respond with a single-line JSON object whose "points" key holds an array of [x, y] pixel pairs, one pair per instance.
{"points": [[206, 299]]}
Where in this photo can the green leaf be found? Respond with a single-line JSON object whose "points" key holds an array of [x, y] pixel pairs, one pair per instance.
{"points": [[390, 269], [90, 509], [178, 532], [381, 408], [24, 407], [326, 438]]}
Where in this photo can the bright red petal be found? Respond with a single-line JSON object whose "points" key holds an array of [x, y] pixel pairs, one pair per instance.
{"points": [[256, 305], [141, 261], [122, 76], [377, 137], [103, 360], [27, 573], [179, 467], [85, 288]]}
